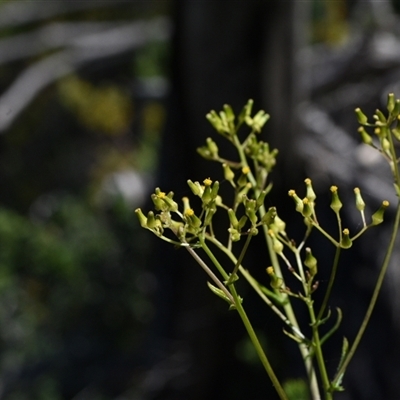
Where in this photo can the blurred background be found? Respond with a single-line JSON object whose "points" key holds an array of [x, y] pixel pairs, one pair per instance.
{"points": [[101, 101]]}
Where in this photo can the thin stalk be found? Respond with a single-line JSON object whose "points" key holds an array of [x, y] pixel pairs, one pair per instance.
{"points": [[330, 283], [305, 353], [396, 173], [289, 319], [318, 352], [253, 337], [210, 273], [373, 300], [329, 237], [211, 256], [259, 349], [240, 259]]}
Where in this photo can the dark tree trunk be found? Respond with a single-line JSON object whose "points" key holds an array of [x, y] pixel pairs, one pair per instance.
{"points": [[224, 52]]}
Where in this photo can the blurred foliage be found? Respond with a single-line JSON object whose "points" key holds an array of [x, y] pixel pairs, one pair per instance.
{"points": [[330, 22], [78, 270], [107, 110], [75, 296]]}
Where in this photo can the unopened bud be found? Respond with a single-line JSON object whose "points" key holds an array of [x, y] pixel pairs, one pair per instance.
{"points": [[307, 210], [380, 115], [311, 196], [297, 200], [336, 204], [360, 205], [377, 217], [195, 187], [269, 216], [391, 102], [361, 117], [365, 137], [346, 242], [212, 146], [142, 218], [310, 262], [229, 175], [276, 282], [276, 244]]}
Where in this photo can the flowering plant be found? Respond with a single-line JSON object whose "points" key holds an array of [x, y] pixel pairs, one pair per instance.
{"points": [[248, 216]]}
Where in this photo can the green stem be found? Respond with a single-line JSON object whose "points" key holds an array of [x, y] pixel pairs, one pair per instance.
{"points": [[330, 284], [289, 319], [240, 259], [396, 173], [211, 256], [318, 352], [246, 322], [329, 237], [258, 347], [373, 300], [305, 352], [210, 273]]}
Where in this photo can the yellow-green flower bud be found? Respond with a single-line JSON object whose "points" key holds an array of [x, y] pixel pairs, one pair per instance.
{"points": [[377, 217], [396, 109], [336, 204], [346, 242], [269, 216], [230, 116], [235, 234], [205, 152], [380, 115], [311, 262], [242, 181], [186, 203], [259, 120], [229, 175], [209, 214], [212, 146], [226, 124], [385, 144], [171, 204], [207, 197], [208, 192], [232, 218], [195, 187], [191, 219], [307, 209], [276, 244], [360, 205], [246, 112], [158, 200], [365, 137], [142, 218], [214, 190], [297, 200], [250, 212], [215, 121], [390, 102], [261, 198], [276, 282], [253, 231], [242, 222], [310, 194], [152, 222], [279, 225], [361, 117], [207, 182]]}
